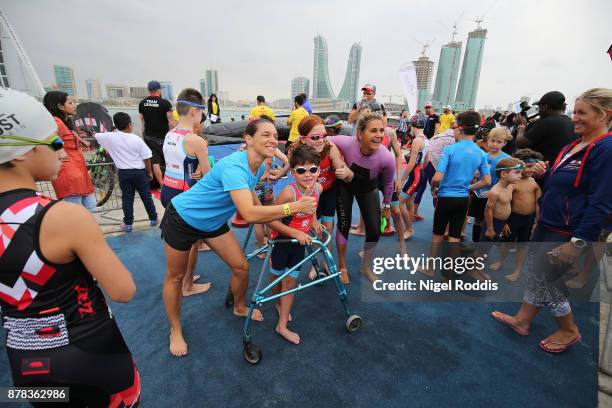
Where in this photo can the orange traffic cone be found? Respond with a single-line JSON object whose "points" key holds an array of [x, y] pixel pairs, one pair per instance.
{"points": [[239, 222], [389, 230]]}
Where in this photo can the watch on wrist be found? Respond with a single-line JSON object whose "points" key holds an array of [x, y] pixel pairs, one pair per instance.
{"points": [[578, 242]]}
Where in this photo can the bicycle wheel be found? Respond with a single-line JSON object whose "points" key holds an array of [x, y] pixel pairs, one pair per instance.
{"points": [[103, 179]]}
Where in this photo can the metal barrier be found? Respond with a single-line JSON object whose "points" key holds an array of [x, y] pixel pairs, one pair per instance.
{"points": [[106, 186]]}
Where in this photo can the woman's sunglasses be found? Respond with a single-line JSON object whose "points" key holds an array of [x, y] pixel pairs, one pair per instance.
{"points": [[316, 136], [54, 142], [302, 170]]}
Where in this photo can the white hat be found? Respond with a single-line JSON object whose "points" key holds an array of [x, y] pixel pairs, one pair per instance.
{"points": [[22, 116], [447, 107]]}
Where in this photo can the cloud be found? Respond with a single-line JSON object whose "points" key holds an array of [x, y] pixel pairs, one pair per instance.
{"points": [[258, 47]]}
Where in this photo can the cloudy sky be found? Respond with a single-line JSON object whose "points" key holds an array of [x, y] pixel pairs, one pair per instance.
{"points": [[258, 47]]}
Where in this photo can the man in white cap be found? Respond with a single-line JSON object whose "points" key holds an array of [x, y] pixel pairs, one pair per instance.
{"points": [[367, 102], [53, 262], [446, 119]]}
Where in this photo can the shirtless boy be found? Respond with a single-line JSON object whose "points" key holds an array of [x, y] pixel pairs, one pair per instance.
{"points": [[525, 196]]}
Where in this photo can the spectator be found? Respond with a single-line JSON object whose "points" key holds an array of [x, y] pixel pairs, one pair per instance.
{"points": [[261, 109], [307, 104], [214, 111], [433, 121], [574, 210], [297, 114], [368, 102], [73, 183], [402, 127], [446, 119], [156, 120], [551, 132]]}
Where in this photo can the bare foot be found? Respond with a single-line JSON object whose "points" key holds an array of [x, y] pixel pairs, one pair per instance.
{"points": [[514, 276], [496, 266], [357, 232], [291, 337], [278, 311], [195, 278], [408, 234], [417, 218], [244, 311], [344, 277], [367, 272], [196, 289], [178, 346], [203, 247]]}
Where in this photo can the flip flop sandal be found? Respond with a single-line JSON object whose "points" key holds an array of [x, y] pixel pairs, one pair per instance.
{"points": [[544, 347]]}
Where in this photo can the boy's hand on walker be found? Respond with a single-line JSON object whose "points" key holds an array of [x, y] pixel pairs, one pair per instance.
{"points": [[318, 229], [303, 238]]}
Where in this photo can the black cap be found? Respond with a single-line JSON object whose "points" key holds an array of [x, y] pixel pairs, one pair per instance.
{"points": [[554, 99]]}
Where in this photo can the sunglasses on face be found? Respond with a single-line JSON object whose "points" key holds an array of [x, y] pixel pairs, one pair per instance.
{"points": [[303, 170], [54, 142], [316, 136]]}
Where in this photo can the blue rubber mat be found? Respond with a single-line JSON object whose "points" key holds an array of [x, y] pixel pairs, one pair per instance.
{"points": [[417, 354]]}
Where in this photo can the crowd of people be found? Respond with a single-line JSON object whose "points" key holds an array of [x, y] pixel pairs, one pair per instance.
{"points": [[542, 181]]}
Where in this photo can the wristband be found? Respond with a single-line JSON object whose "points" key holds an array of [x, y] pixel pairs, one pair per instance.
{"points": [[287, 210]]}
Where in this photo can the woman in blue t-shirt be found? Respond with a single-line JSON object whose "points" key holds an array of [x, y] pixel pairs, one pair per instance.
{"points": [[202, 212], [575, 210]]}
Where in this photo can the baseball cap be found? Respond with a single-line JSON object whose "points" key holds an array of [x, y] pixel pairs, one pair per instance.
{"points": [[154, 86], [22, 117], [428, 105], [369, 87], [448, 107], [333, 121], [552, 98]]}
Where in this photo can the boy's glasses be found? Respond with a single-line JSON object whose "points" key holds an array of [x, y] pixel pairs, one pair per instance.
{"points": [[316, 136], [303, 170], [54, 141]]}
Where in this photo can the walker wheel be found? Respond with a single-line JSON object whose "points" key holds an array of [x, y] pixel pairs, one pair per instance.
{"points": [[252, 353], [229, 298], [353, 323]]}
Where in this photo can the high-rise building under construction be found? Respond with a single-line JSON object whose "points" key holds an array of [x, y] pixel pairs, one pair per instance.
{"points": [[424, 69]]}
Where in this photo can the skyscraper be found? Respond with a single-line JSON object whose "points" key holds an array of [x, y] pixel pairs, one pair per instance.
{"points": [[470, 72], [204, 88], [448, 72], [424, 69], [94, 90], [212, 82], [299, 85], [166, 91], [321, 87], [64, 77], [351, 79], [16, 70]]}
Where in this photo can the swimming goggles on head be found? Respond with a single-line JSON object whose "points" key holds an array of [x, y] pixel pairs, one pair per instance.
{"points": [[194, 104], [520, 166], [54, 141]]}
